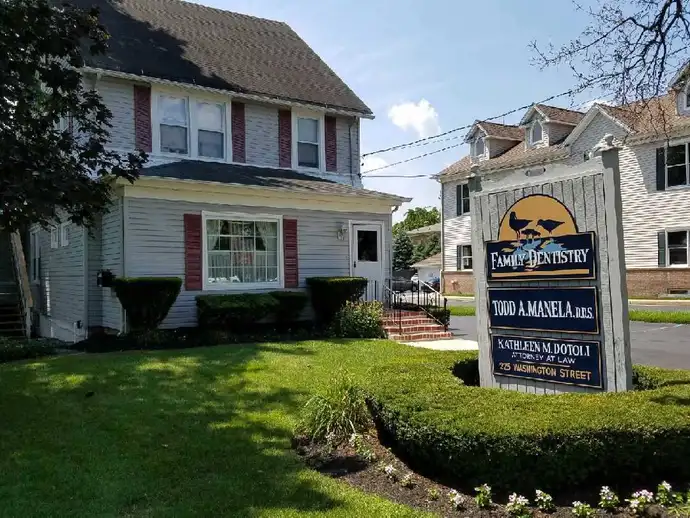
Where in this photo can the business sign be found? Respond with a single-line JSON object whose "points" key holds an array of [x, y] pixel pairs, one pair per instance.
{"points": [[538, 239], [571, 362], [569, 310]]}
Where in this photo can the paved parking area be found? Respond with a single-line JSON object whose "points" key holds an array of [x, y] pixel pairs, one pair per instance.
{"points": [[663, 345]]}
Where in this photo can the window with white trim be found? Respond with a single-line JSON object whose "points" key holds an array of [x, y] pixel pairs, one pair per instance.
{"points": [[210, 118], [677, 165], [54, 237], [64, 234], [173, 116], [308, 142], [536, 133], [242, 251], [35, 253], [479, 147], [677, 244], [687, 95], [464, 259], [463, 199]]}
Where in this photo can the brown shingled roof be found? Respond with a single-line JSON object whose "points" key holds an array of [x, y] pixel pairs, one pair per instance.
{"points": [[556, 114], [199, 45], [507, 131], [657, 116]]}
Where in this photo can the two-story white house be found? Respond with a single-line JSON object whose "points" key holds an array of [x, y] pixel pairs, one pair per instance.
{"points": [[253, 181], [655, 181]]}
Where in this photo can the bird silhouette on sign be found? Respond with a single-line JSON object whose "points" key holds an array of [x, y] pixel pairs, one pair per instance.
{"points": [[549, 225], [517, 224]]}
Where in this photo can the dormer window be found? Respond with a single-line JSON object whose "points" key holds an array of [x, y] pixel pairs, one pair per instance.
{"points": [[479, 147], [535, 133]]}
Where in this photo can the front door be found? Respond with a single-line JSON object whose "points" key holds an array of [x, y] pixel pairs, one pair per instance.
{"points": [[367, 257]]}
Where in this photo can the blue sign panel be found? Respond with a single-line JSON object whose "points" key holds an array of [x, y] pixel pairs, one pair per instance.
{"points": [[572, 362], [569, 256], [570, 310]]}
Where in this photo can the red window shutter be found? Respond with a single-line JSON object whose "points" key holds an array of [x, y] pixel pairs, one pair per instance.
{"points": [[331, 144], [285, 138], [192, 252], [238, 133], [290, 250], [142, 118]]}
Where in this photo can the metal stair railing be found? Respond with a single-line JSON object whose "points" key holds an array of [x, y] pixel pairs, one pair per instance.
{"points": [[22, 278]]}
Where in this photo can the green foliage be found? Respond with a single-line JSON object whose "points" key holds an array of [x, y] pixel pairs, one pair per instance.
{"points": [[582, 510], [433, 494], [417, 218], [290, 305], [47, 170], [334, 416], [430, 246], [147, 300], [483, 497], [359, 320], [234, 311], [462, 311], [402, 251], [581, 440], [329, 294], [669, 317], [13, 349]]}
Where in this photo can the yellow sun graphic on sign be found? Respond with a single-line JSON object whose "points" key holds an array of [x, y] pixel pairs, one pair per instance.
{"points": [[536, 216]]}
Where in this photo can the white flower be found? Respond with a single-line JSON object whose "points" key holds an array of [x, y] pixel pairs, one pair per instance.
{"points": [[389, 470], [665, 485]]}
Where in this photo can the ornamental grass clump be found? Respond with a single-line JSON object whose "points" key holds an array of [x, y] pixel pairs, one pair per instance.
{"points": [[544, 501], [608, 500]]}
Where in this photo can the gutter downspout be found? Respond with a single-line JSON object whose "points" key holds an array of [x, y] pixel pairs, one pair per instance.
{"points": [[443, 248]]}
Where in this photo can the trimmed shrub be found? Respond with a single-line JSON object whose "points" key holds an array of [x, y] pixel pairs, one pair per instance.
{"points": [[146, 300], [235, 311], [359, 320], [329, 294], [13, 349], [290, 305], [518, 442]]}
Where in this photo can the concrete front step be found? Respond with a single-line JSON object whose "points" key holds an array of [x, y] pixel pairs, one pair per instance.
{"points": [[420, 336]]}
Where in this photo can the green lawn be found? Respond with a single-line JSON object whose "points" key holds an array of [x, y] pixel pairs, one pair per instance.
{"points": [[637, 315], [196, 432]]}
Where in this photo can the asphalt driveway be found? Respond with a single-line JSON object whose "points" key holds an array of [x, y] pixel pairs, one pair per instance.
{"points": [[664, 345]]}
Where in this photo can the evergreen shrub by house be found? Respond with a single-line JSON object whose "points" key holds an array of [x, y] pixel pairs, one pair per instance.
{"points": [[518, 442], [146, 300], [290, 305], [234, 311], [329, 294], [13, 349], [359, 320]]}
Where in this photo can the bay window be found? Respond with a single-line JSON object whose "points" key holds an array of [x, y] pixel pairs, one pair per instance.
{"points": [[242, 251], [174, 125]]}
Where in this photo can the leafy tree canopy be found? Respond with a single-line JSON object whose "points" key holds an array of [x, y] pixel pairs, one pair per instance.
{"points": [[402, 251], [53, 125], [417, 218]]}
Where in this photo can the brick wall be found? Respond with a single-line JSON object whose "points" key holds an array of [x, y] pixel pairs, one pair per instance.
{"points": [[456, 283]]}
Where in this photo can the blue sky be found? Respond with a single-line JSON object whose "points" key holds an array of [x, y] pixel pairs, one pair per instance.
{"points": [[425, 67]]}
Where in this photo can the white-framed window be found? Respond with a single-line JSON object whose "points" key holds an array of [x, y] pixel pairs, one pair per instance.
{"points": [[54, 237], [535, 132], [677, 245], [462, 194], [677, 165], [242, 251], [210, 119], [35, 253], [464, 259], [173, 118], [687, 95], [479, 147], [309, 139], [64, 234]]}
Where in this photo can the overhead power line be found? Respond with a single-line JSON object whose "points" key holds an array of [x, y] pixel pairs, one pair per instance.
{"points": [[411, 159]]}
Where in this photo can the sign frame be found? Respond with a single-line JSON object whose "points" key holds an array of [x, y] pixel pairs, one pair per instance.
{"points": [[540, 275], [546, 289], [599, 364]]}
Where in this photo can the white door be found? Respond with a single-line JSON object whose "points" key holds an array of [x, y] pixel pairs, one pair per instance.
{"points": [[367, 260]]}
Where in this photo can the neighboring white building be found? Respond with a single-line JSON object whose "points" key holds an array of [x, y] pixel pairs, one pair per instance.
{"points": [[655, 181]]}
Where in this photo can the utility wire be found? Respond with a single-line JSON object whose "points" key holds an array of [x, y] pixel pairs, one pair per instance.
{"points": [[410, 159]]}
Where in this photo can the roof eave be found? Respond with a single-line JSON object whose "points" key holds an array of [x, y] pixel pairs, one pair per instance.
{"points": [[239, 95]]}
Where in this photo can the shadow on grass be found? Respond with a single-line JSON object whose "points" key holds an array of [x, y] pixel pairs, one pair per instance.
{"points": [[202, 432]]}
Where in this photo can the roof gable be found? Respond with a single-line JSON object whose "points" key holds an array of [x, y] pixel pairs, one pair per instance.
{"points": [[198, 45]]}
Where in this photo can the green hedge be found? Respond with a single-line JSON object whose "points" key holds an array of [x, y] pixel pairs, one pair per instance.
{"points": [[329, 294], [12, 349], [146, 300], [359, 320], [522, 442], [234, 311], [290, 305]]}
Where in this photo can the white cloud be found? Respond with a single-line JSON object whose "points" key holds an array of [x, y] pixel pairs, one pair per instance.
{"points": [[421, 117], [373, 162]]}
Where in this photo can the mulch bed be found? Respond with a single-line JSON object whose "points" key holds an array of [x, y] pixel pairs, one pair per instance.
{"points": [[347, 463]]}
